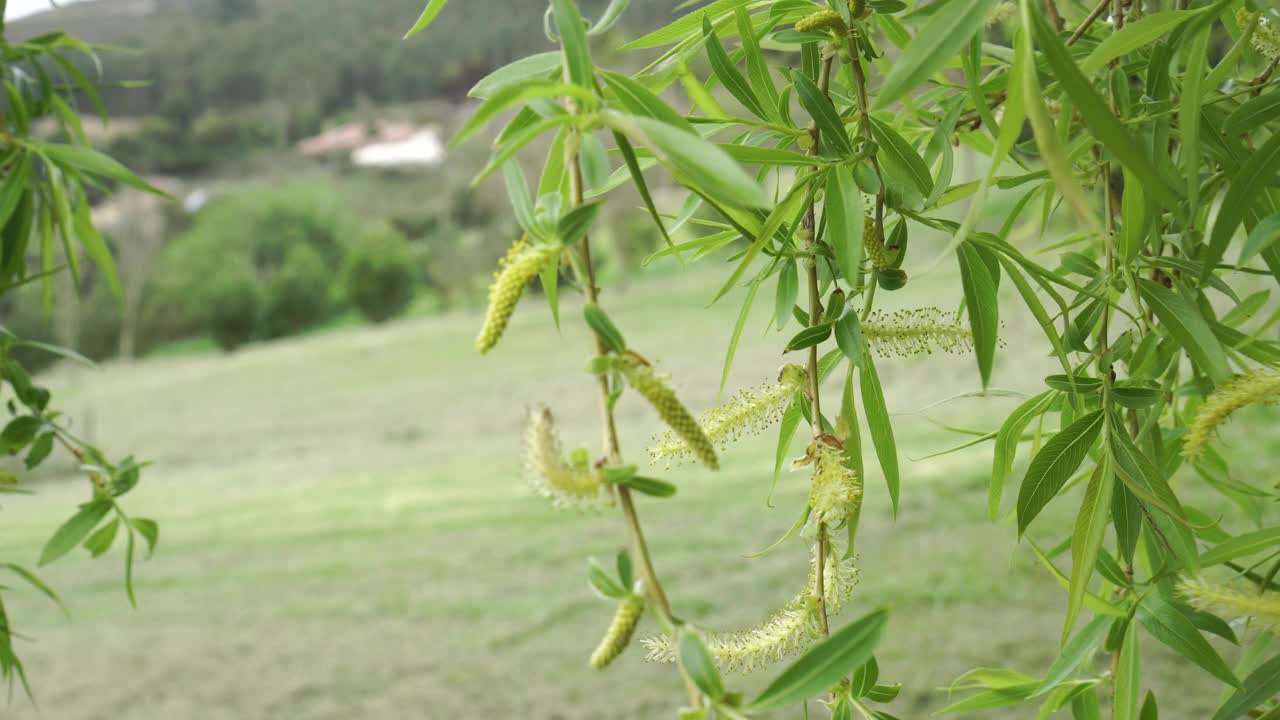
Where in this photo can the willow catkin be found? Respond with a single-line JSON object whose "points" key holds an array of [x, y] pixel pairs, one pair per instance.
{"points": [[785, 632], [521, 265], [618, 636], [1226, 600], [568, 485], [1266, 37], [643, 380], [748, 412], [1253, 387], [823, 20], [916, 332], [873, 244], [835, 489]]}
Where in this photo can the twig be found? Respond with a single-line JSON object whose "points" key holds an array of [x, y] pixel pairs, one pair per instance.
{"points": [[1097, 13]]}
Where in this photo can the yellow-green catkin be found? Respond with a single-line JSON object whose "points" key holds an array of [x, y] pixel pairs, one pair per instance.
{"points": [[748, 412], [521, 265], [618, 636], [642, 379], [916, 332], [823, 21], [786, 632], [1233, 602], [1266, 37], [835, 489], [1253, 387], [873, 244], [1001, 12], [574, 485]]}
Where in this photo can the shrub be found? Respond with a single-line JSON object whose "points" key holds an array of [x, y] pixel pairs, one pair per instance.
{"points": [[380, 274], [298, 296], [232, 304]]}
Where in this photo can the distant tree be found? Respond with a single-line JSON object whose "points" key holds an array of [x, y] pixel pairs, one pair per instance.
{"points": [[225, 11]]}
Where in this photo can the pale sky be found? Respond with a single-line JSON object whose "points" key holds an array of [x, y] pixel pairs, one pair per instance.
{"points": [[18, 8]]}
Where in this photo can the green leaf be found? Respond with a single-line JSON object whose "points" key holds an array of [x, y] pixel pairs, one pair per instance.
{"points": [[101, 540], [575, 224], [1255, 112], [1248, 185], [1262, 685], [534, 66], [1168, 625], [878, 423], [639, 100], [604, 583], [1097, 116], [1086, 539], [741, 323], [1150, 711], [1006, 447], [637, 177], [994, 698], [728, 74], [786, 433], [34, 581], [94, 245], [604, 328], [1263, 236], [1189, 110], [898, 151], [1132, 36], [695, 161], [825, 663], [1241, 546], [520, 92], [809, 337], [428, 16], [74, 530], [1136, 221], [845, 223], [16, 182], [947, 31], [1135, 397], [86, 159], [687, 24], [699, 666], [573, 39], [826, 119], [149, 530], [1188, 327], [980, 300], [1128, 676], [1074, 652], [849, 336], [19, 432], [652, 487], [1056, 462], [787, 292], [757, 68]]}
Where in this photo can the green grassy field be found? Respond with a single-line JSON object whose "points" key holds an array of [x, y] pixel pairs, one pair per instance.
{"points": [[346, 533]]}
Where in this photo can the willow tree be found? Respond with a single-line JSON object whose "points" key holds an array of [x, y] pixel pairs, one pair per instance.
{"points": [[1142, 142]]}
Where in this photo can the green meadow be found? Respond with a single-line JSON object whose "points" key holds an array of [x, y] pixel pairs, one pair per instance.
{"points": [[346, 531]]}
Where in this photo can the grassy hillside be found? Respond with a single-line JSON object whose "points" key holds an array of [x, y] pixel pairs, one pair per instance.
{"points": [[346, 532]]}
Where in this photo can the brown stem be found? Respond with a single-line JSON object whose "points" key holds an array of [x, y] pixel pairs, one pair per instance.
{"points": [[815, 316], [1097, 13], [639, 547], [1051, 7]]}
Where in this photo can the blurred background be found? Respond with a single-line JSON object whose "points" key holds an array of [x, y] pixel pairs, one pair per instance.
{"points": [[345, 528]]}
